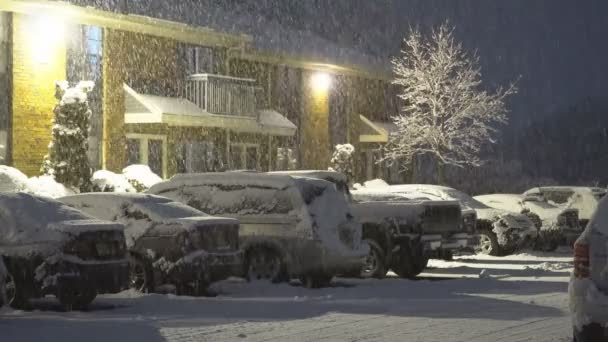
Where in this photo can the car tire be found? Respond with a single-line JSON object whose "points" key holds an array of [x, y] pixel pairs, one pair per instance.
{"points": [[15, 294], [488, 243], [316, 281], [375, 262], [264, 264], [79, 301], [140, 275], [409, 262]]}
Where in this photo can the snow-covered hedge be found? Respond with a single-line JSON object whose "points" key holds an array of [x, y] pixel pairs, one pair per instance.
{"points": [[13, 180], [108, 181], [141, 177]]}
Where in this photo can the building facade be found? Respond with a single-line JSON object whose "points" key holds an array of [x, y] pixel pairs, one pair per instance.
{"points": [[182, 98]]}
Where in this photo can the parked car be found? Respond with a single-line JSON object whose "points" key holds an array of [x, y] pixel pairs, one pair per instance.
{"points": [[499, 231], [588, 288], [3, 281], [50, 248], [404, 233], [169, 243], [585, 199], [291, 226], [339, 179], [556, 225]]}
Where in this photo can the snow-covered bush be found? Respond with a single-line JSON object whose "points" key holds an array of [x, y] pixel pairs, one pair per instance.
{"points": [[67, 160], [141, 177], [12, 180], [342, 160], [47, 186], [108, 181]]}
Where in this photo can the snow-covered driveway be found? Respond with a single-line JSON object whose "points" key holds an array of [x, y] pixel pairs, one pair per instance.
{"points": [[517, 298]]}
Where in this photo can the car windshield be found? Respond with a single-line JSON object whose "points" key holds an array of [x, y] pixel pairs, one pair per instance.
{"points": [[464, 199]]}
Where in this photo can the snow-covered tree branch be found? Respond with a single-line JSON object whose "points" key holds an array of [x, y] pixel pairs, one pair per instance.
{"points": [[445, 112]]}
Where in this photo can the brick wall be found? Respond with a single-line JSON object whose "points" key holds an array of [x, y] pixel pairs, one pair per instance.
{"points": [[38, 62], [130, 58]]}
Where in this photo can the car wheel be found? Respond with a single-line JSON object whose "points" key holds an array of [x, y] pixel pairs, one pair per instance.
{"points": [[140, 277], [488, 243], [316, 281], [15, 296], [374, 265], [409, 262], [264, 264], [78, 300]]}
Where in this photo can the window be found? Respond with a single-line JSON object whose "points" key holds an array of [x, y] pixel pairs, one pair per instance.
{"points": [[198, 156], [244, 156], [199, 60], [285, 159], [558, 197], [149, 150]]}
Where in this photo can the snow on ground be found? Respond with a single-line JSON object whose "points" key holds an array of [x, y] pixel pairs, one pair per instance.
{"points": [[523, 298]]}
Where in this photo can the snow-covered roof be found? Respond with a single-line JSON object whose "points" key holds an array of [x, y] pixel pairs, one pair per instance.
{"points": [[565, 187], [372, 131]]}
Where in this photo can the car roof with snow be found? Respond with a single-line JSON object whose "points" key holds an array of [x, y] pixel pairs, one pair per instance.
{"points": [[220, 178], [593, 189], [500, 197], [331, 176]]}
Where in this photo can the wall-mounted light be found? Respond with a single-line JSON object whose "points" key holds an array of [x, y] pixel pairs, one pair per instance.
{"points": [[320, 81], [45, 32]]}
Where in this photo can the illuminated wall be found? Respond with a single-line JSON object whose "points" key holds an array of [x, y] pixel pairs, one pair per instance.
{"points": [[314, 142], [39, 59]]}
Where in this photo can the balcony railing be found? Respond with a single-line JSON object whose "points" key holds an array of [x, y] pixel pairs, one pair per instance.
{"points": [[223, 95]]}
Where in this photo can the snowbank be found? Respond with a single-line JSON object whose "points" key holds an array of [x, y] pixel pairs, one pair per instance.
{"points": [[108, 181], [141, 174], [12, 180], [47, 186]]}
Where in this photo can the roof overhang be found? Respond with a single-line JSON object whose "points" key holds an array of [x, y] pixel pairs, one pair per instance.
{"points": [[376, 132], [126, 22], [178, 112]]}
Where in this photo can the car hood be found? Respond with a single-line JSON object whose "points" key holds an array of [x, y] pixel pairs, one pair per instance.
{"points": [[510, 218], [76, 227]]}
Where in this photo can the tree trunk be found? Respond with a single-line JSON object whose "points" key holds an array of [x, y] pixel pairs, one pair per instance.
{"points": [[440, 172]]}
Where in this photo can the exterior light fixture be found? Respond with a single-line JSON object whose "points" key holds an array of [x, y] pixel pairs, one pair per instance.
{"points": [[321, 81], [44, 34]]}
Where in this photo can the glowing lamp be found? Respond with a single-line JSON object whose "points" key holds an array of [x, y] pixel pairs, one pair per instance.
{"points": [[45, 33], [320, 81]]}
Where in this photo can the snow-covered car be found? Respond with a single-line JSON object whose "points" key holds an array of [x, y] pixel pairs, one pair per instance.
{"points": [[169, 243], [339, 179], [585, 199], [556, 225], [290, 226], [51, 248], [404, 233], [588, 288], [500, 232], [3, 278]]}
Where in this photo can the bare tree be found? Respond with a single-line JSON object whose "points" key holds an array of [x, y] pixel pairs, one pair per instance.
{"points": [[445, 114]]}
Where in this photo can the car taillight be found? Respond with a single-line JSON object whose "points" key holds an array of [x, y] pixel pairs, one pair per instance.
{"points": [[581, 260]]}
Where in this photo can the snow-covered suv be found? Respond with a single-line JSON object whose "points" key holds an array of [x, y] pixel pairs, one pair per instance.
{"points": [[500, 232], [585, 199], [290, 226], [588, 287], [50, 248], [169, 243], [556, 225]]}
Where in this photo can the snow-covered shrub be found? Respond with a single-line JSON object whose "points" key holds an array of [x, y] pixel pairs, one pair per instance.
{"points": [[47, 186], [67, 160], [342, 160], [108, 181], [12, 180], [141, 177]]}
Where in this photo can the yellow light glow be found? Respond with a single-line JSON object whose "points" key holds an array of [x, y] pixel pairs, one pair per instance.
{"points": [[45, 34], [320, 81]]}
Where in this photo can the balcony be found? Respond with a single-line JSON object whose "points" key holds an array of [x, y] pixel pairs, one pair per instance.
{"points": [[223, 95], [206, 100]]}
